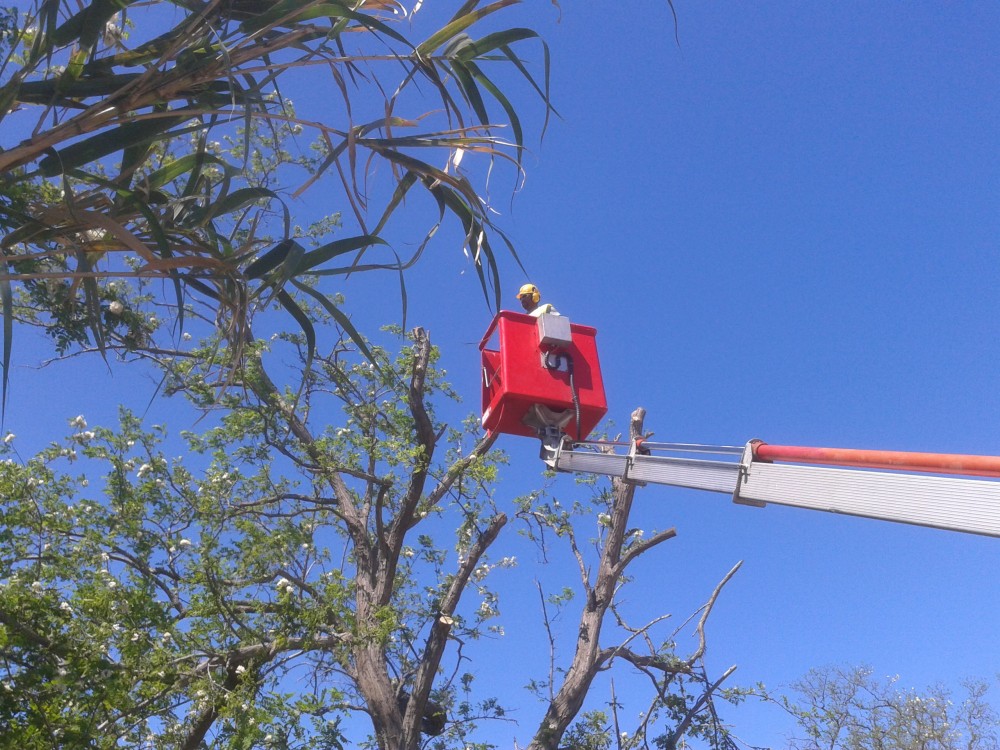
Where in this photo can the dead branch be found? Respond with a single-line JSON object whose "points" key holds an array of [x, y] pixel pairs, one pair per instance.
{"points": [[700, 651]]}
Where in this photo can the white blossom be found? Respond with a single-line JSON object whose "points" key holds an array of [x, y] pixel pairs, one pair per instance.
{"points": [[78, 422], [9, 438], [64, 606], [144, 470], [116, 308]]}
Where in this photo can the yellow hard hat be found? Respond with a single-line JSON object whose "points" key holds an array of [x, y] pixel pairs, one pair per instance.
{"points": [[529, 290]]}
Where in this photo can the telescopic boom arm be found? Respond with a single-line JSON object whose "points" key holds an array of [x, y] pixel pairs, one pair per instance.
{"points": [[758, 473]]}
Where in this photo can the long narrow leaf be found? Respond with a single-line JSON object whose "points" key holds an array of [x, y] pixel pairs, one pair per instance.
{"points": [[177, 167], [460, 24], [470, 91], [515, 121], [7, 299], [269, 260], [288, 302], [542, 92], [497, 40], [342, 320], [239, 199], [108, 142], [331, 250]]}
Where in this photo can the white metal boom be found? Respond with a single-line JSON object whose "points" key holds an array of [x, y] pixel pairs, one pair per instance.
{"points": [[954, 503]]}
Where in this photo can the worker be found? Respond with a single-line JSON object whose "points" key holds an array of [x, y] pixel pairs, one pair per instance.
{"points": [[530, 297]]}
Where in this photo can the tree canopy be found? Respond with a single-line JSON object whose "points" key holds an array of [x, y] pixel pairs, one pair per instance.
{"points": [[160, 141], [295, 579], [852, 709], [314, 568]]}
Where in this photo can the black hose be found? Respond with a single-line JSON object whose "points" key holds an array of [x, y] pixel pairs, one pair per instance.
{"points": [[572, 383]]}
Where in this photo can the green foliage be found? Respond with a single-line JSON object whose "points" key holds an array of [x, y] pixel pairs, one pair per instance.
{"points": [[852, 709], [171, 145], [592, 731], [143, 593]]}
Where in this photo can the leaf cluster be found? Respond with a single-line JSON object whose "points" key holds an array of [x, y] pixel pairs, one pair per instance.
{"points": [[124, 172]]}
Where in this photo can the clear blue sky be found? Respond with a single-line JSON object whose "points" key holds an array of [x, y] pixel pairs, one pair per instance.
{"points": [[784, 227]]}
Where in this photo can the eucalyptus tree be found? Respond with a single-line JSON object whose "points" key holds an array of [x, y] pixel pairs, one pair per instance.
{"points": [[158, 140]]}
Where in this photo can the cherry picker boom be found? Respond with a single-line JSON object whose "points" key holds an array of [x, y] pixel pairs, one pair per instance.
{"points": [[541, 377]]}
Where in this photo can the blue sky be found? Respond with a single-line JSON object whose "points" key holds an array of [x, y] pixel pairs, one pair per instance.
{"points": [[786, 226]]}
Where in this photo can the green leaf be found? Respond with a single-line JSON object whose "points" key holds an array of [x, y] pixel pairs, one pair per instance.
{"points": [[515, 122], [7, 300], [269, 260], [87, 24], [469, 89], [331, 250], [302, 319], [177, 167], [342, 320], [238, 200], [287, 12], [497, 40], [460, 24], [542, 92], [108, 142]]}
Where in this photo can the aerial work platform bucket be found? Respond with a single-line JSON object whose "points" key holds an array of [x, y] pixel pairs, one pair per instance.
{"points": [[544, 362]]}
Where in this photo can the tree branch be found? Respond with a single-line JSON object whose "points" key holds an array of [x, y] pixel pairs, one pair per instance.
{"points": [[685, 724], [438, 637], [700, 651]]}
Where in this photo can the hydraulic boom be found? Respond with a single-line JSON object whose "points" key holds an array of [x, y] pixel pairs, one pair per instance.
{"points": [[542, 377], [758, 473]]}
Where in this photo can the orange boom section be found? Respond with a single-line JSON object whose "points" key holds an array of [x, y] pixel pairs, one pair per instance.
{"points": [[934, 463]]}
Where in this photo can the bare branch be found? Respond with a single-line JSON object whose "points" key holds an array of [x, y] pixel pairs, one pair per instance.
{"points": [[458, 468], [700, 651], [642, 547]]}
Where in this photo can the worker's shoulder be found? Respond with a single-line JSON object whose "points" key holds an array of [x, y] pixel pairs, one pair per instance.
{"points": [[545, 309]]}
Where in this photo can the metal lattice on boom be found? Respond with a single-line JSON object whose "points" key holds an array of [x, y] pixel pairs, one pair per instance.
{"points": [[542, 378]]}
